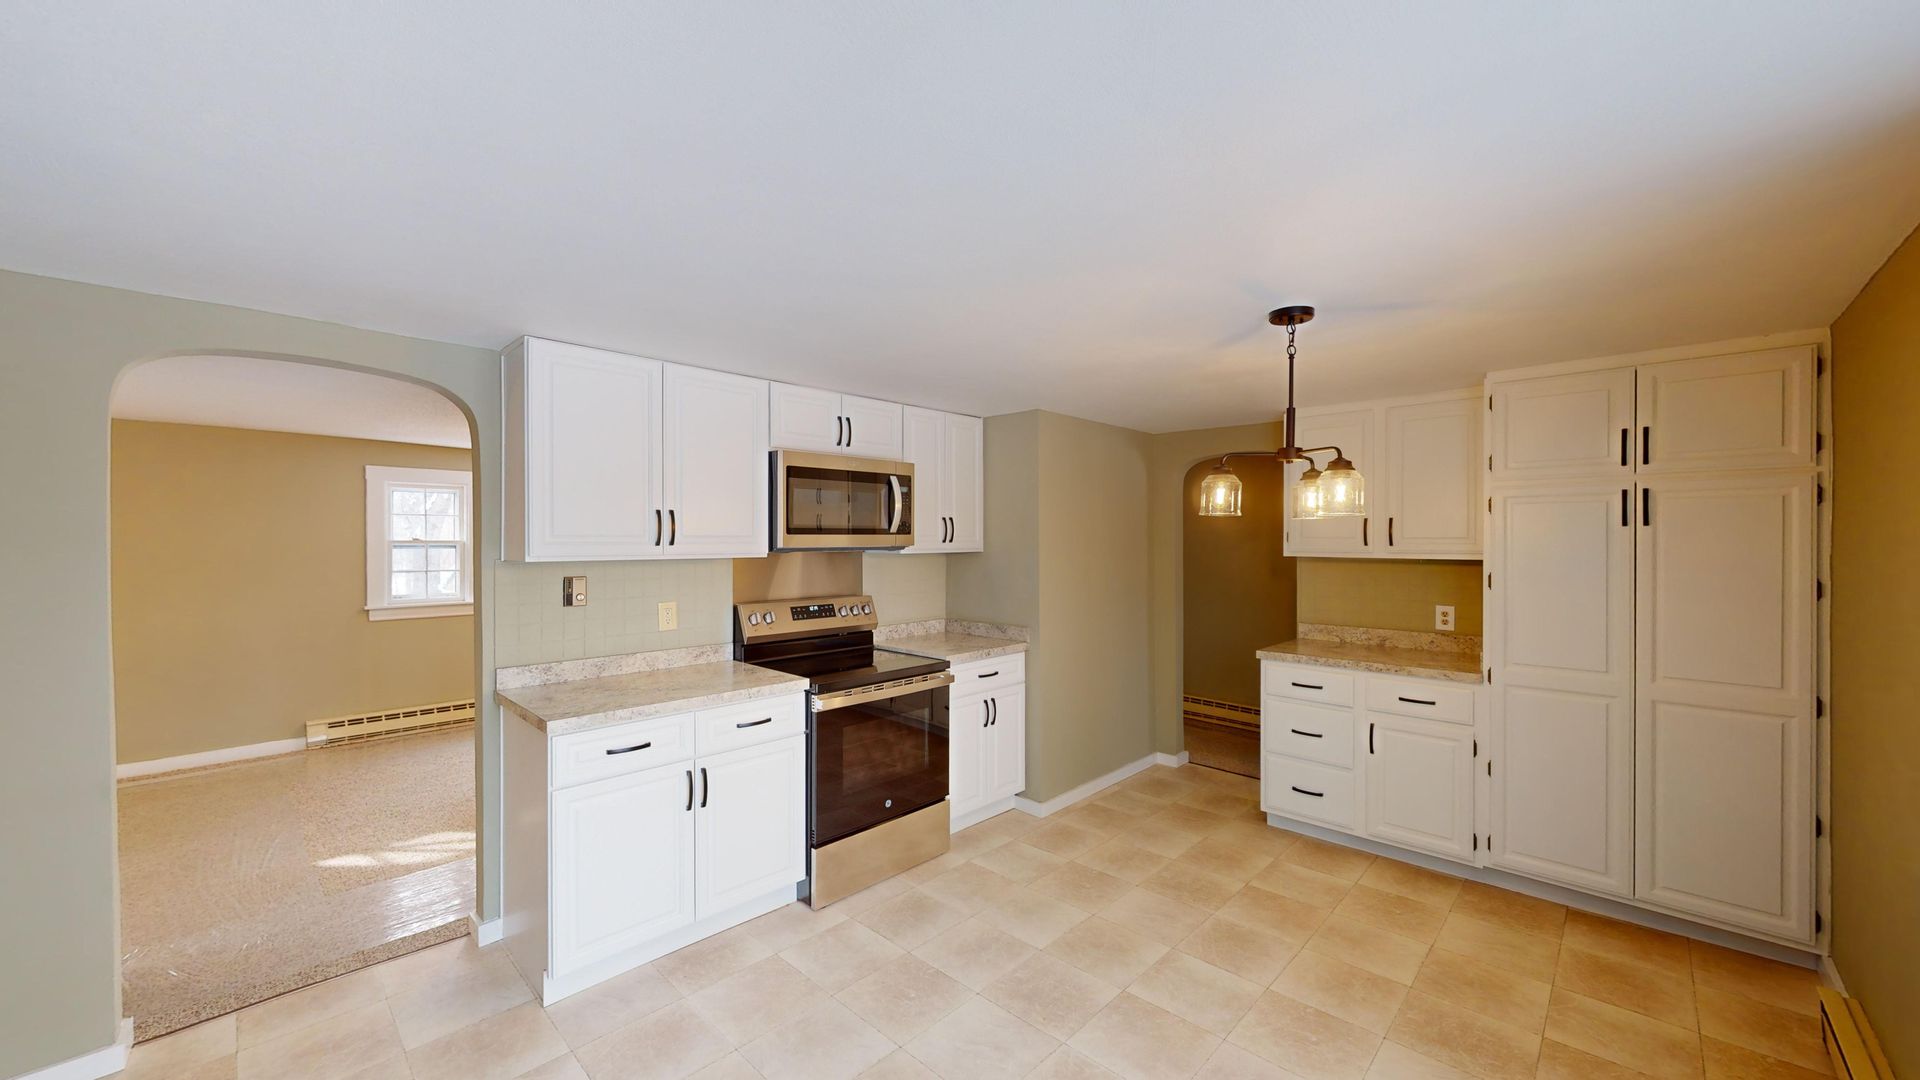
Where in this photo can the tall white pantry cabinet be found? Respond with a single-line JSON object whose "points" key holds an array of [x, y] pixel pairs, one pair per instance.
{"points": [[1650, 633]]}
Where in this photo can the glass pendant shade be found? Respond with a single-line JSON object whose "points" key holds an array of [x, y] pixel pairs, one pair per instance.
{"points": [[1220, 493], [1343, 491], [1306, 494]]}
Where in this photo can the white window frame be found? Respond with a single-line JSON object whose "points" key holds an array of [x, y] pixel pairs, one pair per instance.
{"points": [[381, 480]]}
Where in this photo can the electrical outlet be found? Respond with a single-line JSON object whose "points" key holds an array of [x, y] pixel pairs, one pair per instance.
{"points": [[1443, 616], [573, 591], [669, 615]]}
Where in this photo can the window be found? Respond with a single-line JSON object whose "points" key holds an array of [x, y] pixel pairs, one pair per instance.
{"points": [[419, 543]]}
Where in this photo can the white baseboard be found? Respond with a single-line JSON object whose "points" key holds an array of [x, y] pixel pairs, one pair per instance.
{"points": [[93, 1065], [1068, 798], [1830, 975], [979, 814], [484, 933], [208, 757]]}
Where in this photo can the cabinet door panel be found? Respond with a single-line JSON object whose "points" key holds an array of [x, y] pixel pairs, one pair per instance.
{"points": [[1562, 425], [1744, 411], [803, 418], [964, 483], [1560, 646], [1725, 701], [925, 446], [751, 824], [1420, 784], [621, 865], [592, 461], [967, 752], [1352, 432], [873, 427], [1434, 468], [714, 463], [1007, 762]]}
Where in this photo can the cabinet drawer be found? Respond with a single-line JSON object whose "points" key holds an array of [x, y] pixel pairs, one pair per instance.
{"points": [[984, 676], [1303, 789], [621, 749], [1302, 683], [1420, 697], [1313, 732], [750, 722]]}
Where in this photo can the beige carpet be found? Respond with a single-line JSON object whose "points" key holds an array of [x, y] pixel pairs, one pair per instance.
{"points": [[245, 881]]}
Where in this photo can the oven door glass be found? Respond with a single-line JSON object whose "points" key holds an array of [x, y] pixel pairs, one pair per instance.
{"points": [[843, 502], [876, 761]]}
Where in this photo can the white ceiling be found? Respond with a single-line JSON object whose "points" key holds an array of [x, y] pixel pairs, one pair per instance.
{"points": [[1082, 205], [280, 395]]}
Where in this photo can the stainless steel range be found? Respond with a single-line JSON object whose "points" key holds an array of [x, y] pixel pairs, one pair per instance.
{"points": [[876, 738]]}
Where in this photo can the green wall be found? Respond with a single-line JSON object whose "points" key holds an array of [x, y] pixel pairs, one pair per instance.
{"points": [[65, 344], [1875, 733]]}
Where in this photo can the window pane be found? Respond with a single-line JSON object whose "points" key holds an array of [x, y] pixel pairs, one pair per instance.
{"points": [[441, 527], [409, 557], [445, 583], [409, 527], [410, 586], [443, 502], [408, 500], [442, 557]]}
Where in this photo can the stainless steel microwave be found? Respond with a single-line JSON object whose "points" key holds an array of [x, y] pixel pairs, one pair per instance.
{"points": [[826, 501]]}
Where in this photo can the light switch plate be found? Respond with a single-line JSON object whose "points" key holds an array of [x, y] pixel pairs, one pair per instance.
{"points": [[573, 591], [669, 615], [1443, 616]]}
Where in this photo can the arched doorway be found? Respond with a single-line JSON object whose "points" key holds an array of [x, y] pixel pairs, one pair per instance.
{"points": [[1237, 597], [294, 696]]}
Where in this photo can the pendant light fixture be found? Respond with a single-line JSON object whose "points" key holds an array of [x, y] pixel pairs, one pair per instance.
{"points": [[1338, 491]]}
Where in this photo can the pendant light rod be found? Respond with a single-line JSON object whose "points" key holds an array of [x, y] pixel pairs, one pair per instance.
{"points": [[1284, 454]]}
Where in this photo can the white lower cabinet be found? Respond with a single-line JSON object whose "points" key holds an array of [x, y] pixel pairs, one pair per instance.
{"points": [[986, 736], [628, 842], [1420, 784]]}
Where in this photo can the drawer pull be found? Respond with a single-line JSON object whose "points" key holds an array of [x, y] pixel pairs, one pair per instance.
{"points": [[1304, 791], [1308, 686], [1308, 734], [629, 749], [1417, 701], [703, 787], [755, 723], [689, 790], [986, 675]]}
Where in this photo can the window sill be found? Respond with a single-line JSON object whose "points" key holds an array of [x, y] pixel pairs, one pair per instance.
{"points": [[418, 611]]}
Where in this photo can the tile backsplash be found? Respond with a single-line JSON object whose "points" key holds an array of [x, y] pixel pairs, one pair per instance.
{"points": [[906, 588], [622, 613]]}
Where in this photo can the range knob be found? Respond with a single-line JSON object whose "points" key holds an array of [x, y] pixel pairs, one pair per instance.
{"points": [[866, 609], [843, 611], [753, 618], [767, 617]]}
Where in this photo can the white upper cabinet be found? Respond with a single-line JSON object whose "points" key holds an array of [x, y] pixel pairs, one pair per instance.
{"points": [[1724, 709], [946, 450], [1352, 430], [583, 453], [714, 463], [826, 421], [621, 457], [1433, 470], [1741, 411], [1562, 426]]}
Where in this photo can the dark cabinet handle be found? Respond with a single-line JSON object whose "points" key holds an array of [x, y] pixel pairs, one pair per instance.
{"points": [[1308, 734], [1370, 735], [1646, 444], [1417, 701], [986, 714], [849, 431], [689, 790], [1389, 532], [839, 431], [704, 791], [629, 749], [1626, 506], [1304, 791], [993, 709], [1646, 506], [1364, 522], [658, 530], [986, 675], [1624, 441], [673, 529], [755, 723], [1308, 686]]}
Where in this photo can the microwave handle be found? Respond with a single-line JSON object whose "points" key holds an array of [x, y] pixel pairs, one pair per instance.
{"points": [[899, 503]]}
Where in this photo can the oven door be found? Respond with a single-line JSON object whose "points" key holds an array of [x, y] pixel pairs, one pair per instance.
{"points": [[876, 759], [828, 501]]}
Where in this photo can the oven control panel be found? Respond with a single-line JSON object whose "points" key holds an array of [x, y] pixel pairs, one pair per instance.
{"points": [[803, 617]]}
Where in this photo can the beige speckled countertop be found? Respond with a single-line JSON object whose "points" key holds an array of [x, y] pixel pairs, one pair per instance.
{"points": [[563, 708], [956, 648], [1451, 665]]}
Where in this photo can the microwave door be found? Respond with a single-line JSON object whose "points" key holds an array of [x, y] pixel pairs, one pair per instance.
{"points": [[819, 502], [870, 504]]}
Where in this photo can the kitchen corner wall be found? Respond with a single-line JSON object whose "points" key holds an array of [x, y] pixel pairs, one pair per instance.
{"points": [[1875, 737], [1066, 557]]}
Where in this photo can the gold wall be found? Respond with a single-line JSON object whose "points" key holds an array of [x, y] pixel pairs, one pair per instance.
{"points": [[1876, 589], [1239, 588], [239, 588], [1391, 594]]}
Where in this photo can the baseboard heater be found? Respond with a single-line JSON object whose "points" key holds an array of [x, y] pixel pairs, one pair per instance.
{"points": [[1224, 713], [1856, 1053], [388, 723]]}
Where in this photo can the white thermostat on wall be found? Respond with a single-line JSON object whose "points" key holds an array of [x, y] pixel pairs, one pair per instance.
{"points": [[573, 591]]}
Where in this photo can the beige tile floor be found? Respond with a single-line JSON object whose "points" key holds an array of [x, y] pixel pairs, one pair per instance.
{"points": [[243, 882], [1160, 929]]}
